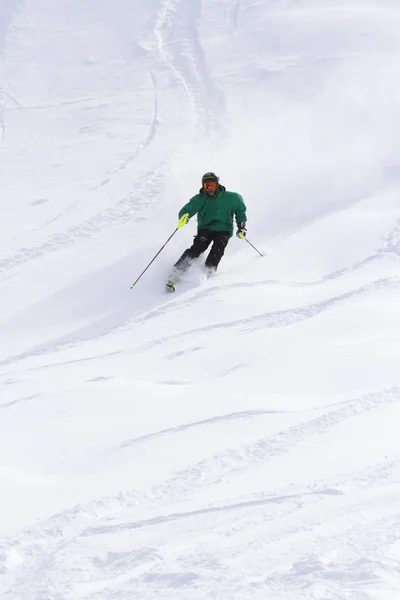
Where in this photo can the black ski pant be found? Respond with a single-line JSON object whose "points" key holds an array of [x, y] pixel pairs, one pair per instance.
{"points": [[201, 242]]}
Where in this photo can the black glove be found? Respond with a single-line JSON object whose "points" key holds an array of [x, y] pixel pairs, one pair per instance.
{"points": [[241, 231]]}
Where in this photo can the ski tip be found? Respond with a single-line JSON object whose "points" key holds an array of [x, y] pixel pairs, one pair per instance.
{"points": [[132, 286], [170, 287]]}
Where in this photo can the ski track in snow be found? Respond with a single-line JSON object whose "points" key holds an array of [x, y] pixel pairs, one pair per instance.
{"points": [[233, 15], [349, 574], [132, 206], [49, 548], [247, 325], [278, 318], [180, 48], [18, 401], [185, 427], [226, 464], [8, 9], [108, 176], [142, 146], [392, 240], [7, 12]]}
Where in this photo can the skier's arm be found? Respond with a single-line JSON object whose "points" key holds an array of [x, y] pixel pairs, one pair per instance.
{"points": [[240, 211], [192, 207]]}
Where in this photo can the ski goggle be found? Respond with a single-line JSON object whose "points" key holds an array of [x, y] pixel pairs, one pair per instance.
{"points": [[210, 185]]}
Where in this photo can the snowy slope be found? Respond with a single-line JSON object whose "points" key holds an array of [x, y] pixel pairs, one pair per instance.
{"points": [[238, 440]]}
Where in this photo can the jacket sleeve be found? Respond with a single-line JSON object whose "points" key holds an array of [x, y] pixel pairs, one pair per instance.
{"points": [[192, 207], [240, 210]]}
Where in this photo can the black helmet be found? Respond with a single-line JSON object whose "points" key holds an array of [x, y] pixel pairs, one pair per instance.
{"points": [[209, 177]]}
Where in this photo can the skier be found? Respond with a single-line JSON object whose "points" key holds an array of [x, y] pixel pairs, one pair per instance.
{"points": [[215, 208]]}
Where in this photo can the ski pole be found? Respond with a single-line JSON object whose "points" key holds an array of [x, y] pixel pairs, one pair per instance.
{"points": [[151, 262], [182, 221], [254, 247]]}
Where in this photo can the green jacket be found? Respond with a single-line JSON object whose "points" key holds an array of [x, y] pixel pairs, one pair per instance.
{"points": [[216, 212]]}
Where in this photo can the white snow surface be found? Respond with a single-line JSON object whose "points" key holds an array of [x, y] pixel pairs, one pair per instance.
{"points": [[238, 440]]}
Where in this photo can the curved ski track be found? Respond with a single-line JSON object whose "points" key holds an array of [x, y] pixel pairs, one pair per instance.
{"points": [[180, 48], [141, 146], [247, 325], [47, 549]]}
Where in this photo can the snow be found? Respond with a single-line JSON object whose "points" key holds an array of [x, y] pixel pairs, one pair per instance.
{"points": [[239, 439]]}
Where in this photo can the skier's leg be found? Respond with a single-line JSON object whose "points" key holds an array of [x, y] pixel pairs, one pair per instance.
{"points": [[200, 243], [221, 239]]}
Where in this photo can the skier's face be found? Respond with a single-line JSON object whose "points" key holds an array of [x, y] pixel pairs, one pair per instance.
{"points": [[210, 187]]}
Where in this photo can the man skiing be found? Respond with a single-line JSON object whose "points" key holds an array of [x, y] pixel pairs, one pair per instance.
{"points": [[215, 208]]}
